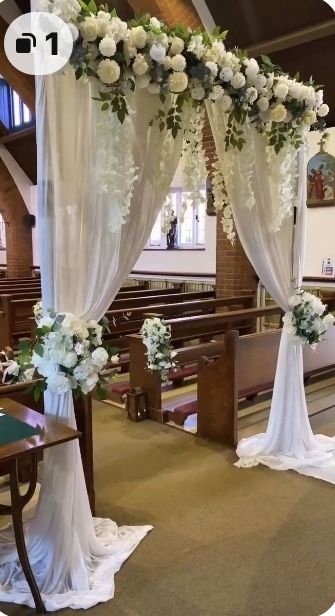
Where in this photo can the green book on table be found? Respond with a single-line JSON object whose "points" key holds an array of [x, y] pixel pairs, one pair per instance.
{"points": [[12, 429]]}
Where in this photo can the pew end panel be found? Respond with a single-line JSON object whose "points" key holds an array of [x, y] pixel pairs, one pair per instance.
{"points": [[218, 394], [143, 378]]}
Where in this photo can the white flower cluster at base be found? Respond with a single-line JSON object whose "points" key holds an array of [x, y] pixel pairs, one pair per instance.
{"points": [[304, 323], [69, 355], [156, 336]]}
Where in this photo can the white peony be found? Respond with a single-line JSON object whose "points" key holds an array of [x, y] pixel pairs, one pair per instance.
{"points": [[238, 81], [107, 46], [58, 383], [178, 63], [280, 90], [89, 28], [154, 88], [99, 357], [117, 28], [198, 93], [226, 102], [157, 53], [70, 360], [278, 113], [217, 93], [103, 18], [259, 82], [323, 110], [177, 46], [309, 117], [178, 82], [329, 320], [252, 67], [226, 74], [263, 103], [88, 384], [71, 325], [83, 369], [213, 67], [140, 65], [138, 37], [108, 71], [252, 94]]}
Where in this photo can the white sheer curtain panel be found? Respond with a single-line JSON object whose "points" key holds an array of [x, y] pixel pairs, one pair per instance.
{"points": [[83, 264], [255, 187]]}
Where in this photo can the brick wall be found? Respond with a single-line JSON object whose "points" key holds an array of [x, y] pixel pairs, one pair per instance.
{"points": [[18, 234]]}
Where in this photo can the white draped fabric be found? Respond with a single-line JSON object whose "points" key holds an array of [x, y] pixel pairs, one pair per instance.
{"points": [[278, 258], [83, 264]]}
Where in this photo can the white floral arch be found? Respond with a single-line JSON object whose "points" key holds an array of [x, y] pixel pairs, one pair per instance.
{"points": [[110, 131]]}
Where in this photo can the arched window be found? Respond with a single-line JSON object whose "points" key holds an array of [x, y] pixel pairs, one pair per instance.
{"points": [[14, 114]]}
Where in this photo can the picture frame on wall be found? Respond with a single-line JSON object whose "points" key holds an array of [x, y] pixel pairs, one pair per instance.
{"points": [[321, 179]]}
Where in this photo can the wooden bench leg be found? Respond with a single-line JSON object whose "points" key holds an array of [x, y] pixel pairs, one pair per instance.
{"points": [[17, 505]]}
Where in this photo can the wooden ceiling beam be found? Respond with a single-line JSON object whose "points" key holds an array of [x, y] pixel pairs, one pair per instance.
{"points": [[23, 84], [293, 39]]}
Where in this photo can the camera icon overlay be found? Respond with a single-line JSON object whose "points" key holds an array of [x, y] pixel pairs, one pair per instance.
{"points": [[38, 43]]}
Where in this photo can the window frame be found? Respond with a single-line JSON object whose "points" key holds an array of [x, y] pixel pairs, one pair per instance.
{"points": [[7, 116]]}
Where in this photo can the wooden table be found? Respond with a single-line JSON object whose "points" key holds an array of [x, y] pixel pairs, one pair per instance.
{"points": [[51, 433]]}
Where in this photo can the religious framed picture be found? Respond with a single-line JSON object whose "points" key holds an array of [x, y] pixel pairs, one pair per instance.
{"points": [[321, 179]]}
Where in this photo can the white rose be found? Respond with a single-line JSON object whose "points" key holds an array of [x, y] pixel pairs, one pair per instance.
{"points": [[70, 360], [89, 28], [213, 67], [281, 90], [154, 88], [259, 82], [71, 325], [226, 102], [309, 117], [103, 18], [117, 28], [142, 81], [278, 113], [226, 74], [100, 357], [139, 37], [295, 89], [140, 65], [155, 23], [107, 46], [178, 63], [217, 53], [196, 46], [252, 95], [178, 82], [217, 93], [198, 93], [328, 320], [108, 71], [263, 103], [177, 46], [58, 384], [238, 81], [319, 98], [114, 359], [323, 110], [167, 63], [157, 53]]}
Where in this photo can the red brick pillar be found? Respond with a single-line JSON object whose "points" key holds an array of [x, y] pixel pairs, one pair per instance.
{"points": [[18, 233]]}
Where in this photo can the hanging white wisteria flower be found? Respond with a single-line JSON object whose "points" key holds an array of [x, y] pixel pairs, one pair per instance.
{"points": [[221, 203], [156, 337], [193, 157], [193, 67], [304, 322]]}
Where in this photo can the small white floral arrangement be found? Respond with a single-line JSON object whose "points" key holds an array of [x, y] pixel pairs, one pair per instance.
{"points": [[156, 336], [304, 322], [192, 66], [66, 352]]}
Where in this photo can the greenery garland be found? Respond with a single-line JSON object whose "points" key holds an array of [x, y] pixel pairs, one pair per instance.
{"points": [[192, 67]]}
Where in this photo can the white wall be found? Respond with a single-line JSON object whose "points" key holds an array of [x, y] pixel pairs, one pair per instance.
{"points": [[320, 221], [28, 192]]}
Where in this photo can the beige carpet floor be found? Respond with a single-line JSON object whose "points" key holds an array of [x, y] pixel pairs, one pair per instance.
{"points": [[227, 542]]}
